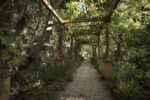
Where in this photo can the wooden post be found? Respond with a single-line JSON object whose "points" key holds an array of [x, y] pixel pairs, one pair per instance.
{"points": [[72, 47], [99, 48], [107, 54], [107, 19], [94, 51], [60, 46], [108, 67], [77, 48]]}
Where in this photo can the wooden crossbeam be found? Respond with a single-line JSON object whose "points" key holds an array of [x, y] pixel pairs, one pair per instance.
{"points": [[86, 33], [113, 8], [107, 18], [94, 33], [51, 9], [77, 21], [86, 30], [81, 20]]}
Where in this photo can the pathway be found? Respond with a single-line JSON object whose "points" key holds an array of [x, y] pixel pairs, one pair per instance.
{"points": [[86, 85]]}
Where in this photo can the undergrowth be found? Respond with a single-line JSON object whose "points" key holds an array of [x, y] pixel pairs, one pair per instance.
{"points": [[43, 84], [122, 82]]}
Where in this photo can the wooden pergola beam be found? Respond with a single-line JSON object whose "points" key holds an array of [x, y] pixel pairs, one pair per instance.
{"points": [[77, 21], [94, 33], [87, 32], [86, 41], [113, 8], [52, 10], [106, 22], [111, 11], [81, 20]]}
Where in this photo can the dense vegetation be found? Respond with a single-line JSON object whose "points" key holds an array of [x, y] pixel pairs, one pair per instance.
{"points": [[43, 83], [31, 52], [130, 56], [37, 58]]}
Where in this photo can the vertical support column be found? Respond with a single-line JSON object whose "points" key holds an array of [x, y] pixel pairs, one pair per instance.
{"points": [[108, 66], [60, 46], [72, 48], [99, 48], [94, 51], [77, 48], [107, 54]]}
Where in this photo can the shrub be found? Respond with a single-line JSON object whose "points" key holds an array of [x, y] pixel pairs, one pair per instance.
{"points": [[44, 83], [122, 82]]}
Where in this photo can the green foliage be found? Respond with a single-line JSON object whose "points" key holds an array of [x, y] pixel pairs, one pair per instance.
{"points": [[23, 35], [86, 51], [130, 53], [43, 83], [122, 82]]}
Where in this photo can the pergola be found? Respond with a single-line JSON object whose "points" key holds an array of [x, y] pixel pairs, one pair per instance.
{"points": [[105, 23]]}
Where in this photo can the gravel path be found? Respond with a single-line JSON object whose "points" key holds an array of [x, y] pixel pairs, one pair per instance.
{"points": [[86, 85]]}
